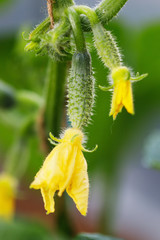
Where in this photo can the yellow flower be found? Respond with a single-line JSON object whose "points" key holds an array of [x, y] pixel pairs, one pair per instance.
{"points": [[122, 94], [7, 196], [65, 168]]}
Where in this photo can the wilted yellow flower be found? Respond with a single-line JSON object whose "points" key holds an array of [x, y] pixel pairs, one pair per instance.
{"points": [[122, 93], [65, 168], [8, 186]]}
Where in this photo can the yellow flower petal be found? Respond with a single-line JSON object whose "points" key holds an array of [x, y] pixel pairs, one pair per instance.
{"points": [[128, 98], [55, 174], [122, 94], [79, 186], [7, 196], [48, 195], [64, 168]]}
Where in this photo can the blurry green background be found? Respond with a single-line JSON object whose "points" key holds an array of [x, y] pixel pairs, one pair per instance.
{"points": [[124, 190]]}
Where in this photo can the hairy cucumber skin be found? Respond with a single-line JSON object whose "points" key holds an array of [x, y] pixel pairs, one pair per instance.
{"points": [[81, 90], [106, 47]]}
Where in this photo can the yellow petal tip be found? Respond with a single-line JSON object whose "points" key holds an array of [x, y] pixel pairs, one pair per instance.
{"points": [[84, 214], [33, 186], [48, 212], [60, 193]]}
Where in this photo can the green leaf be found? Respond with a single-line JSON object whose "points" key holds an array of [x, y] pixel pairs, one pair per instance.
{"points": [[23, 229], [88, 236]]}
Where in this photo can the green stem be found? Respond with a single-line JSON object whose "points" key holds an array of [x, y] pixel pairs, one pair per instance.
{"points": [[107, 9], [103, 40], [59, 8], [90, 13], [77, 29], [62, 4], [54, 96], [18, 156]]}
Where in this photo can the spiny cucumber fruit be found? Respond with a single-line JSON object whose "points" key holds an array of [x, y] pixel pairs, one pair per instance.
{"points": [[106, 47], [81, 90]]}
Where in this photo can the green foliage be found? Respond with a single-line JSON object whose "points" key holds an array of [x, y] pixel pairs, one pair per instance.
{"points": [[55, 43], [88, 236], [22, 229], [20, 71], [58, 42]]}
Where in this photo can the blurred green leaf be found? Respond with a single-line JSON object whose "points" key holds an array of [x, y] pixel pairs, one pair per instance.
{"points": [[7, 95], [88, 236], [21, 229]]}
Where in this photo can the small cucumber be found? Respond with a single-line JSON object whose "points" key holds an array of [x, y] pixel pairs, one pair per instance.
{"points": [[81, 90]]}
